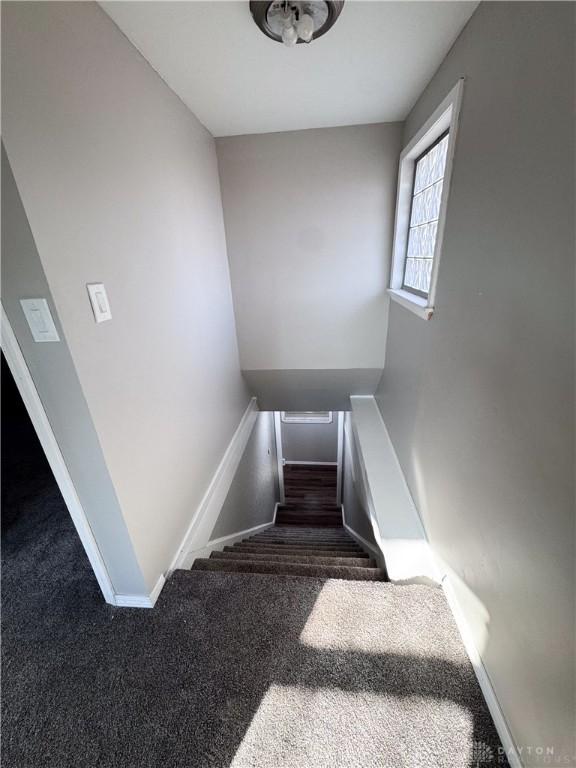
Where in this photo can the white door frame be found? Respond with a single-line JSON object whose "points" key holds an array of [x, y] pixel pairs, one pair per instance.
{"points": [[282, 462], [279, 454], [39, 419], [340, 457]]}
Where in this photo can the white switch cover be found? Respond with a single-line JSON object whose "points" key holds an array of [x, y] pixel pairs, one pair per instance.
{"points": [[99, 302], [40, 320]]}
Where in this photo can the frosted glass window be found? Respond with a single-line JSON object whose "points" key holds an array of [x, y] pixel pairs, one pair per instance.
{"points": [[424, 215], [306, 417]]}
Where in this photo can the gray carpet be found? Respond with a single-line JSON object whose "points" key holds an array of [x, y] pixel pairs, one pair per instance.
{"points": [[239, 670], [229, 669], [322, 552]]}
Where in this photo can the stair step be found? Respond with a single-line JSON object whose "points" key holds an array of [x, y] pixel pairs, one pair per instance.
{"points": [[303, 545], [312, 513], [306, 511], [304, 530], [285, 537], [301, 532], [299, 542], [299, 521], [290, 569], [361, 562], [301, 504], [293, 540], [275, 550], [289, 542], [310, 544]]}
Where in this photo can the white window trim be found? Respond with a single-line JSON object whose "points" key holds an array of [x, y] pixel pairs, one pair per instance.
{"points": [[311, 417], [445, 117]]}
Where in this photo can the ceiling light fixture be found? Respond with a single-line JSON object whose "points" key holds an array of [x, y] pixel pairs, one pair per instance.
{"points": [[295, 21]]}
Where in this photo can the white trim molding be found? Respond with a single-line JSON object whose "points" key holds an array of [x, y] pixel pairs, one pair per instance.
{"points": [[340, 458], [378, 556], [410, 301], [445, 117], [398, 529], [225, 541], [500, 723], [306, 417], [43, 429], [142, 601], [204, 519], [312, 463], [279, 454]]}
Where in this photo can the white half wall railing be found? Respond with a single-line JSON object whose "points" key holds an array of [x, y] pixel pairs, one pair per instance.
{"points": [[397, 526]]}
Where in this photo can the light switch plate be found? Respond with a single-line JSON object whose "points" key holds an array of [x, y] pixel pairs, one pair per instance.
{"points": [[99, 301], [37, 313]]}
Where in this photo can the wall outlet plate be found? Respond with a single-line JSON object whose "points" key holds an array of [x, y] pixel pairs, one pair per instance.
{"points": [[99, 301], [39, 317]]}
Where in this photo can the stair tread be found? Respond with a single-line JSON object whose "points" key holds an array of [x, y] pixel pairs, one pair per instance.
{"points": [[299, 542], [361, 562], [317, 512], [290, 569], [295, 522], [312, 507], [282, 545], [298, 532], [301, 551], [307, 528]]}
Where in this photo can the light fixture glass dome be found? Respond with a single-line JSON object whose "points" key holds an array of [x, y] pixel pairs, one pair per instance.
{"points": [[295, 21]]}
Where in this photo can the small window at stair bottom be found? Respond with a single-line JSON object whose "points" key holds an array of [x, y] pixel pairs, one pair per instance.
{"points": [[306, 417]]}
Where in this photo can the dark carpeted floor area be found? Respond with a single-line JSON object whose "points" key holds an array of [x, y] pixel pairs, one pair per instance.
{"points": [[229, 669]]}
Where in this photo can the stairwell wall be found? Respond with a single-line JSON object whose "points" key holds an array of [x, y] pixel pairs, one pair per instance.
{"points": [[309, 219], [254, 492], [54, 375], [120, 184], [479, 401]]}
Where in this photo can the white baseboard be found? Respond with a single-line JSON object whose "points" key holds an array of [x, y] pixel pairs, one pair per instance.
{"points": [[482, 676], [204, 519], [275, 512], [224, 541], [361, 540], [141, 601]]}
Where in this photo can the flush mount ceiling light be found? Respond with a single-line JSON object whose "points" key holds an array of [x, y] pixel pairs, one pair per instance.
{"points": [[295, 21]]}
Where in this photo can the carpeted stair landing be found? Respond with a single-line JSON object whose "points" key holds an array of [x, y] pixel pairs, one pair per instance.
{"points": [[321, 552]]}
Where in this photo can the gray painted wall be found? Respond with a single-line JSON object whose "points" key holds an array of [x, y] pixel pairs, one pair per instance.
{"points": [[311, 390], [310, 442], [479, 402], [353, 490], [53, 372], [309, 219], [120, 184], [254, 490]]}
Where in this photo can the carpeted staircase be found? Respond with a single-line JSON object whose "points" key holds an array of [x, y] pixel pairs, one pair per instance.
{"points": [[297, 550]]}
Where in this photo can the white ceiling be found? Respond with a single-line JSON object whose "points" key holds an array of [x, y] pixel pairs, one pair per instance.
{"points": [[370, 67]]}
